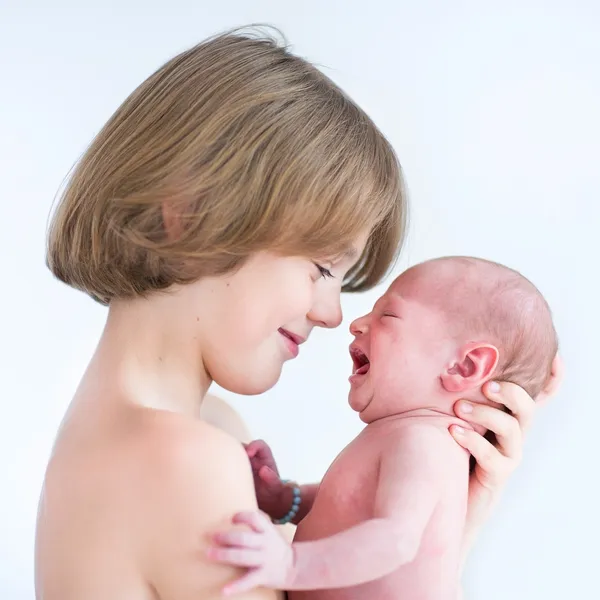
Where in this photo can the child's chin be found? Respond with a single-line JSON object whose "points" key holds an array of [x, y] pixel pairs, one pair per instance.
{"points": [[250, 384]]}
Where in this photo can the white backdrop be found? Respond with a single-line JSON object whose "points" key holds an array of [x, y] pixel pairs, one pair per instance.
{"points": [[493, 109]]}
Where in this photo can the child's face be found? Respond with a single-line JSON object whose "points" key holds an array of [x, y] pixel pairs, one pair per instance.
{"points": [[406, 341], [253, 320]]}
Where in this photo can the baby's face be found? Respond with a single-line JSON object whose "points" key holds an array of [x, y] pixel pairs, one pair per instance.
{"points": [[401, 347]]}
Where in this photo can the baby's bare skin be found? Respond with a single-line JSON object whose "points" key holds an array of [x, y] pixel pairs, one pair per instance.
{"points": [[387, 520], [348, 495]]}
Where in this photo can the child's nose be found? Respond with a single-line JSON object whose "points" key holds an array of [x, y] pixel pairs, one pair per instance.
{"points": [[327, 313]]}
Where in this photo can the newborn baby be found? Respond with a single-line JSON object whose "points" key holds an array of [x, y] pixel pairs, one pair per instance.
{"points": [[387, 519]]}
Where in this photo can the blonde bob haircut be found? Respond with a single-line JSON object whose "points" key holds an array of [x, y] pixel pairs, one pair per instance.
{"points": [[250, 148]]}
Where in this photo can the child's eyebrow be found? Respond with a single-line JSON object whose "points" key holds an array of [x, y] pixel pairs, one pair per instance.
{"points": [[351, 253]]}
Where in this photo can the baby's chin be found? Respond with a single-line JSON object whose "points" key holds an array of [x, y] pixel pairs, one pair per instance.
{"points": [[358, 401]]}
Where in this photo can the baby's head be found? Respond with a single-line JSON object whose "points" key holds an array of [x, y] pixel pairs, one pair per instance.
{"points": [[445, 327], [234, 194]]}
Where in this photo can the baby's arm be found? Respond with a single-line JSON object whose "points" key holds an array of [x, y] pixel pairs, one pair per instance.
{"points": [[407, 493]]}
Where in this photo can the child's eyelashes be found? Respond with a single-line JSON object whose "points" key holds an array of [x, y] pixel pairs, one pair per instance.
{"points": [[323, 272]]}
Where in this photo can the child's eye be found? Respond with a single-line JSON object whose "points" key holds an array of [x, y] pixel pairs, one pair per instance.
{"points": [[388, 314], [325, 273]]}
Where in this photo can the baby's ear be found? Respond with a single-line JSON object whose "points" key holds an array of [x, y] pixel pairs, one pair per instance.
{"points": [[474, 365]]}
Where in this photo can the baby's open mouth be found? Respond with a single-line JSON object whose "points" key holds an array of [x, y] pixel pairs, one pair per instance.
{"points": [[360, 361]]}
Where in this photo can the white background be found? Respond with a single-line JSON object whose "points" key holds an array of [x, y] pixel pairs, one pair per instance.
{"points": [[493, 109]]}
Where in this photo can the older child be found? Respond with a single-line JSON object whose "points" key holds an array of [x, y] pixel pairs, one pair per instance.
{"points": [[218, 214]]}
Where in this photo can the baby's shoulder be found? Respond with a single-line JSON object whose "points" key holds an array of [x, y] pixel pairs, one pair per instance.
{"points": [[419, 436], [415, 429]]}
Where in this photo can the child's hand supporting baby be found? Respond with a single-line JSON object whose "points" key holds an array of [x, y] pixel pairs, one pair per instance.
{"points": [[274, 497], [271, 492]]}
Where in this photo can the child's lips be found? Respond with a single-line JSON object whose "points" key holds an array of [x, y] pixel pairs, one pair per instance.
{"points": [[297, 339], [292, 341]]}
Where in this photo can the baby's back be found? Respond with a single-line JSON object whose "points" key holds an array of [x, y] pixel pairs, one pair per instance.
{"points": [[347, 497]]}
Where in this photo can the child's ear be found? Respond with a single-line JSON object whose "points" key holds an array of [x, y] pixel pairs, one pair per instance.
{"points": [[474, 365], [171, 220]]}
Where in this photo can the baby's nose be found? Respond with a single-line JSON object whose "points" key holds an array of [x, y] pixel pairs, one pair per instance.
{"points": [[360, 326]]}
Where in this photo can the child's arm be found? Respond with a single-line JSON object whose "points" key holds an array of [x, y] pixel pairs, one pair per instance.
{"points": [[186, 499], [407, 494]]}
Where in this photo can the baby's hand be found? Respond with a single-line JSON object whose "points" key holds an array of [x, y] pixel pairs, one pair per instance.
{"points": [[264, 551], [270, 490]]}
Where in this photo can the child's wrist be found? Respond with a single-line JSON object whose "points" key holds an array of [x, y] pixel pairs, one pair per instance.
{"points": [[291, 498]]}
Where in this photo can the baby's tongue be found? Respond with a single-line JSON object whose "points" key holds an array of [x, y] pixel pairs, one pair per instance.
{"points": [[363, 369]]}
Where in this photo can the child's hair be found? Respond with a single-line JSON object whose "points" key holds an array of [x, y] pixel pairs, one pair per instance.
{"points": [[497, 304], [247, 147]]}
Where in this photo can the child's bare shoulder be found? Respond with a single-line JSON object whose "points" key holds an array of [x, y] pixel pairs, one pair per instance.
{"points": [[193, 467], [177, 443], [197, 478]]}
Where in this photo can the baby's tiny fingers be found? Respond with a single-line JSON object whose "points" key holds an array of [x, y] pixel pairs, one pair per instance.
{"points": [[244, 584], [235, 556], [255, 520], [242, 539]]}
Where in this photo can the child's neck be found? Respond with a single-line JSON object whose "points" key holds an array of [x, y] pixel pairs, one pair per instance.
{"points": [[151, 361]]}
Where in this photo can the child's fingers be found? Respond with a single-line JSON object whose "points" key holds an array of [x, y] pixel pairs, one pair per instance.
{"points": [[557, 375], [261, 453], [514, 397], [258, 448], [244, 584], [237, 557], [255, 448], [269, 477], [256, 520], [502, 424], [240, 539], [485, 454]]}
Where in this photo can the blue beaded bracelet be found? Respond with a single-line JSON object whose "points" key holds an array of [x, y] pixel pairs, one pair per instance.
{"points": [[295, 505]]}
